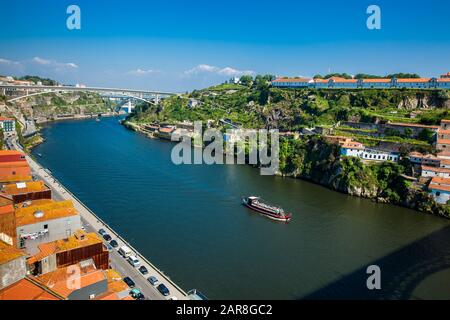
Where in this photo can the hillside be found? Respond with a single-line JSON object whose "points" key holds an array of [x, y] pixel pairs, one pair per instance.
{"points": [[310, 157], [51, 105], [293, 109]]}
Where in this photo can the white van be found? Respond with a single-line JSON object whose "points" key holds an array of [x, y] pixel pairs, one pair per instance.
{"points": [[134, 261], [125, 252]]}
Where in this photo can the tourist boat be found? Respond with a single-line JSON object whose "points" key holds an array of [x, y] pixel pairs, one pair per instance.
{"points": [[270, 211]]}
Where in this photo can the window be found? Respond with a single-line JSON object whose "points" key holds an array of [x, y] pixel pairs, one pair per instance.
{"points": [[438, 193], [45, 226]]}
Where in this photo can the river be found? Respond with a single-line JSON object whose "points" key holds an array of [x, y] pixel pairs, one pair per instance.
{"points": [[189, 222]]}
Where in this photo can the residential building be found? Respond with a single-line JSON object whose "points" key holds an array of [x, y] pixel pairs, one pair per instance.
{"points": [[440, 189], [352, 149], [340, 140], [16, 171], [28, 289], [7, 124], [373, 154], [166, 132], [7, 222], [91, 282], [12, 265], [192, 103], [26, 191], [428, 172], [356, 149], [68, 251], [12, 156], [424, 159], [445, 124], [43, 221], [445, 163]]}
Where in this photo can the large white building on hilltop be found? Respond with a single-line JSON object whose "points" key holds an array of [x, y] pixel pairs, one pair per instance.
{"points": [[382, 83]]}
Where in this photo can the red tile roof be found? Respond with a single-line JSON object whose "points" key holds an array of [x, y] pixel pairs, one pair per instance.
{"points": [[27, 289], [443, 141], [339, 79], [409, 80], [377, 80], [166, 130], [9, 253], [292, 80], [6, 209], [352, 145], [57, 280], [436, 169]]}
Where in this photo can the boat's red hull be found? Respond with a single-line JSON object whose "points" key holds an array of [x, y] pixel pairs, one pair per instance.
{"points": [[268, 214]]}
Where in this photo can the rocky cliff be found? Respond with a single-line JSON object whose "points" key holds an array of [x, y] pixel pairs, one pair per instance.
{"points": [[318, 161]]}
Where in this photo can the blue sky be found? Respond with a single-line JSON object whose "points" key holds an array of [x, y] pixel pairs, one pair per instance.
{"points": [[181, 45]]}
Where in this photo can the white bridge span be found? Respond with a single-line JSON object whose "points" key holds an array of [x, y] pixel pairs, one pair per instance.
{"points": [[142, 95]]}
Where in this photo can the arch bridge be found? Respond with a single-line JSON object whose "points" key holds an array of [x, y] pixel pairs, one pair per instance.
{"points": [[148, 96]]}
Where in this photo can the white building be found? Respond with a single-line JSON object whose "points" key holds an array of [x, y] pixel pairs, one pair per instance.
{"points": [[342, 83], [413, 83], [292, 82], [235, 80], [376, 83], [356, 149], [443, 83], [44, 221], [424, 159], [440, 189], [429, 172]]}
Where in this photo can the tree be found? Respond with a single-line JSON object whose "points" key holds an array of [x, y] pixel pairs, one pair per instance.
{"points": [[426, 135], [247, 80], [403, 75]]}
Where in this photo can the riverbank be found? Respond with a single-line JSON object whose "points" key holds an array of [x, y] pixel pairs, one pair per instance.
{"points": [[321, 163], [94, 223], [189, 221]]}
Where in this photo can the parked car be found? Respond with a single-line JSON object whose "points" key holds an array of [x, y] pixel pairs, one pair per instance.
{"points": [[153, 280], [125, 252], [143, 270], [114, 243], [163, 289], [129, 282], [108, 247], [133, 261], [101, 232], [137, 294], [107, 237], [173, 298]]}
